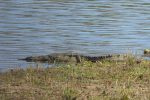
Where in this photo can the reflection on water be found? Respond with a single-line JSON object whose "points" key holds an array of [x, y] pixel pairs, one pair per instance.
{"points": [[93, 27]]}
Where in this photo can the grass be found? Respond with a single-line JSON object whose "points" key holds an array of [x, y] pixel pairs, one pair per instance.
{"points": [[103, 80]]}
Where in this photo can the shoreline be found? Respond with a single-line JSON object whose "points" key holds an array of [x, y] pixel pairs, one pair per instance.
{"points": [[23, 64], [84, 81]]}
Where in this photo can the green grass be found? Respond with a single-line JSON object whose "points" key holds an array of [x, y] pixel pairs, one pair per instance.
{"points": [[104, 80]]}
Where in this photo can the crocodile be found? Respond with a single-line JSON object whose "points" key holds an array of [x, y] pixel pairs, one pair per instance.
{"points": [[66, 57]]}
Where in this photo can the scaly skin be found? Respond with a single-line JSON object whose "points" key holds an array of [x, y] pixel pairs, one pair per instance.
{"points": [[65, 57]]}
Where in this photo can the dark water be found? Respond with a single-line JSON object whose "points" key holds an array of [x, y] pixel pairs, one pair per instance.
{"points": [[94, 27]]}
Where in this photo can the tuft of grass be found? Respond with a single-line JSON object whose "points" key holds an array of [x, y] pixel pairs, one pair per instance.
{"points": [[70, 94], [103, 80]]}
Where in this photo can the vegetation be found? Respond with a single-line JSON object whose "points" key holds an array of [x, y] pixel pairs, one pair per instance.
{"points": [[103, 80]]}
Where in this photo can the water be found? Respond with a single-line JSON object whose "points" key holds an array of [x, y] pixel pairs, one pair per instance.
{"points": [[93, 27]]}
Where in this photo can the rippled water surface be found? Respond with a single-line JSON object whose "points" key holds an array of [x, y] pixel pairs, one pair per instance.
{"points": [[93, 27]]}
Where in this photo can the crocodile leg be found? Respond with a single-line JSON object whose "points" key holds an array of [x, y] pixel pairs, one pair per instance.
{"points": [[78, 58]]}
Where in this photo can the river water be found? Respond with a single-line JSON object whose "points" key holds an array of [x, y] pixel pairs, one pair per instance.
{"points": [[92, 27]]}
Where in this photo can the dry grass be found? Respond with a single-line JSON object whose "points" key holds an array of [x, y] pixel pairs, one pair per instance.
{"points": [[105, 80]]}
